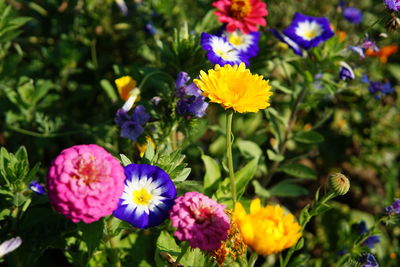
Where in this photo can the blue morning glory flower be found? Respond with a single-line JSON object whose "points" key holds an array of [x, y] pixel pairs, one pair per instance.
{"points": [[371, 240], [132, 126], [292, 44], [191, 102], [220, 51], [247, 44], [353, 15], [308, 31], [346, 72], [37, 188], [369, 261], [148, 196]]}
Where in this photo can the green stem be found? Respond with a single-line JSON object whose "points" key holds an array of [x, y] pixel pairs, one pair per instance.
{"points": [[114, 253], [174, 143], [184, 249], [253, 259], [229, 117]]}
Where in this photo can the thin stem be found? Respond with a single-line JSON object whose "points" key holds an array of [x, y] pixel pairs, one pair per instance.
{"points": [[114, 253], [184, 249], [229, 117], [253, 259], [174, 143]]}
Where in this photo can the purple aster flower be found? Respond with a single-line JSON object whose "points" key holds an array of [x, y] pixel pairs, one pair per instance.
{"points": [[393, 5], [353, 15], [37, 188], [308, 31], [122, 7], [220, 51], [245, 43], [148, 196], [394, 208], [378, 89], [132, 126], [371, 240], [369, 261], [346, 72], [9, 245], [292, 44]]}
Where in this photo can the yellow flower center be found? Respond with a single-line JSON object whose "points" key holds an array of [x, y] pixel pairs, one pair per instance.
{"points": [[141, 196], [221, 53], [235, 39], [310, 33], [240, 8]]}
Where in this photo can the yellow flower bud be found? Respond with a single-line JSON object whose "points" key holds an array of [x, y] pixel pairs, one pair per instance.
{"points": [[339, 183]]}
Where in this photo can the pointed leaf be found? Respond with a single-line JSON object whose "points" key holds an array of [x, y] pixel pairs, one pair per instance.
{"points": [[298, 170]]}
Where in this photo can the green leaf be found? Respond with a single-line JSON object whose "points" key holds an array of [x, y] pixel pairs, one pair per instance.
{"points": [[109, 89], [181, 175], [298, 170], [288, 189], [244, 175], [92, 234], [308, 137], [273, 156], [213, 172], [249, 149], [125, 160], [259, 190]]}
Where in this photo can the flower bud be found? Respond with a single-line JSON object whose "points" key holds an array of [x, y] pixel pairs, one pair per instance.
{"points": [[339, 183]]}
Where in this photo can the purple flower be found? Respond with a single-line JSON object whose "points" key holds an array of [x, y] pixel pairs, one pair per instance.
{"points": [[220, 51], [37, 188], [346, 72], [308, 31], [371, 240], [369, 261], [353, 15], [148, 196], [378, 89], [191, 102], [292, 44], [357, 49], [393, 5], [122, 7], [132, 126], [150, 29], [369, 44], [394, 208], [9, 245]]}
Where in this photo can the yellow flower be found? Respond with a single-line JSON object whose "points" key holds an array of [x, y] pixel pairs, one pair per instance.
{"points": [[125, 85], [143, 147], [235, 87], [266, 229]]}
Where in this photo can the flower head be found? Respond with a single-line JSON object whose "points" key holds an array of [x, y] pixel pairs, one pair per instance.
{"points": [[37, 188], [353, 15], [266, 230], [292, 44], [199, 220], [220, 51], [235, 87], [371, 240], [244, 43], [369, 261], [125, 85], [394, 208], [10, 245], [132, 126], [308, 31], [85, 182], [346, 72], [122, 7], [148, 196], [339, 183], [378, 89], [383, 54], [244, 15], [393, 5]]}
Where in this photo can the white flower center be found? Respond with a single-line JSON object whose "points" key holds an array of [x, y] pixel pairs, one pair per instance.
{"points": [[223, 49], [309, 30], [240, 41]]}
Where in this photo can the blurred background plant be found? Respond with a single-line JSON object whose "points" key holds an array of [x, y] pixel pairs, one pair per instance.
{"points": [[58, 63]]}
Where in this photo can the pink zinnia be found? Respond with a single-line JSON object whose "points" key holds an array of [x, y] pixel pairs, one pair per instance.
{"points": [[85, 183], [199, 220], [244, 15]]}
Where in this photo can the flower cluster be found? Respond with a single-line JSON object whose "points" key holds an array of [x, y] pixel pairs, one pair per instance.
{"points": [[191, 102], [266, 230], [393, 5], [378, 89], [85, 182], [394, 208], [132, 125]]}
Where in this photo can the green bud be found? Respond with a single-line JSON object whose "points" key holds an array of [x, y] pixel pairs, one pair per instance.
{"points": [[339, 183]]}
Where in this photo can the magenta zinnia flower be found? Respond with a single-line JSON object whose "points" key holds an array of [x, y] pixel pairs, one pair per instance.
{"points": [[199, 220], [85, 183]]}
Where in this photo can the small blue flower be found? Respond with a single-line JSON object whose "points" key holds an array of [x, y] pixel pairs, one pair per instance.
{"points": [[378, 89], [394, 208], [220, 51], [247, 44], [150, 29], [37, 188], [148, 196], [308, 31], [346, 72], [132, 126], [353, 15], [371, 240], [292, 44], [357, 49], [369, 261]]}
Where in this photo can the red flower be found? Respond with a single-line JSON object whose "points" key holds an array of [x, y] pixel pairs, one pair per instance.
{"points": [[244, 15]]}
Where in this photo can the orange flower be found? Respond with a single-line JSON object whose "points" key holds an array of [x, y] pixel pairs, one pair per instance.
{"points": [[383, 53]]}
